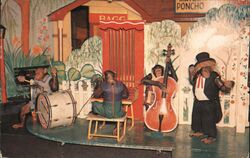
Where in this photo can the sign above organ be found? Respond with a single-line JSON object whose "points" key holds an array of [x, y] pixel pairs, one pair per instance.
{"points": [[197, 6], [97, 17]]}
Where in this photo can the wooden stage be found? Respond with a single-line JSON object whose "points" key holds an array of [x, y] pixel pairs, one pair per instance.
{"points": [[177, 143]]}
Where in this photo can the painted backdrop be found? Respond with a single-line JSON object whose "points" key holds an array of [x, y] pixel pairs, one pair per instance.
{"points": [[223, 32]]}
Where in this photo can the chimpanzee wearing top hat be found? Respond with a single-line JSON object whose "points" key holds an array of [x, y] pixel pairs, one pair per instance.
{"points": [[204, 60], [206, 108]]}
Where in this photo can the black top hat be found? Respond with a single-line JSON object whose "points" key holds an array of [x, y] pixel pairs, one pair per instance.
{"points": [[204, 60], [202, 57]]}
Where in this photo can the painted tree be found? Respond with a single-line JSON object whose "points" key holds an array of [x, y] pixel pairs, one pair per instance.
{"points": [[226, 60], [25, 15]]}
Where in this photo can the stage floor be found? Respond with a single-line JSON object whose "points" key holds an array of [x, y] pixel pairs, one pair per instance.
{"points": [[176, 143]]}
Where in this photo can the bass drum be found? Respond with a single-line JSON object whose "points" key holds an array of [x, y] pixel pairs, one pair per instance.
{"points": [[56, 109]]}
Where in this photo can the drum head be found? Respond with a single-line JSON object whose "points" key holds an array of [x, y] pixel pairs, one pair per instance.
{"points": [[44, 110]]}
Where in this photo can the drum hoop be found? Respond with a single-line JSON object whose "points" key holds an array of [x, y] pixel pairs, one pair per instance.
{"points": [[49, 105], [39, 114]]}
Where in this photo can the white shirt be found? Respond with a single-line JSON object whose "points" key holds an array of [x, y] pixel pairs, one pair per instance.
{"points": [[199, 88]]}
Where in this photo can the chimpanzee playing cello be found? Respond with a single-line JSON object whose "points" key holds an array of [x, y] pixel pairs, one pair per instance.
{"points": [[160, 115]]}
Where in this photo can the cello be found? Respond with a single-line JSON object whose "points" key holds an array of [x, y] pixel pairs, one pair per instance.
{"points": [[161, 115]]}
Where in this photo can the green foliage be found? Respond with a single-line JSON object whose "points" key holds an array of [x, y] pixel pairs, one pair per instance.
{"points": [[61, 73], [39, 60], [87, 71], [88, 60], [73, 74], [90, 53], [61, 76], [60, 66], [15, 58]]}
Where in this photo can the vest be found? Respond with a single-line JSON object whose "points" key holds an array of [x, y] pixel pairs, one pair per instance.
{"points": [[211, 90]]}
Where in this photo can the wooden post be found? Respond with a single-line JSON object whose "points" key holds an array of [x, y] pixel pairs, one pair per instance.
{"points": [[3, 81], [60, 43]]}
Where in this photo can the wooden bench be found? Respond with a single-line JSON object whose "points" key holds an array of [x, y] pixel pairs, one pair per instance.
{"points": [[128, 104], [97, 118]]}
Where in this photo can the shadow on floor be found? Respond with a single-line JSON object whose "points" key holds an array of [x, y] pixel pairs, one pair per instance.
{"points": [[21, 144]]}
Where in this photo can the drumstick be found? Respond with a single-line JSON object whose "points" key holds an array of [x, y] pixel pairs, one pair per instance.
{"points": [[33, 84], [27, 81]]}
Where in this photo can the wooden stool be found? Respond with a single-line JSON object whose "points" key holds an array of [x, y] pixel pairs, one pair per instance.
{"points": [[97, 118]]}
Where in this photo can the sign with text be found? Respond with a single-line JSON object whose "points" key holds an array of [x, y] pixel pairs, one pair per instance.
{"points": [[197, 6], [96, 18]]}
